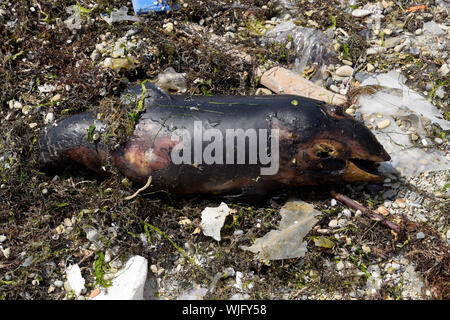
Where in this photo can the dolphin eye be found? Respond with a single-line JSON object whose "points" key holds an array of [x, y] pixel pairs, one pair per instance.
{"points": [[325, 151]]}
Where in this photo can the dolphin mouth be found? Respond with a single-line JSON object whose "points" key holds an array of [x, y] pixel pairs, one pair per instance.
{"points": [[352, 170], [359, 170]]}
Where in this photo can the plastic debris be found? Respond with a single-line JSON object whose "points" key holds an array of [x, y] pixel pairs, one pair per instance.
{"points": [[147, 6], [75, 279], [121, 15], [311, 45], [74, 21], [388, 98], [213, 220], [284, 81], [129, 282], [297, 219], [323, 242], [416, 8], [172, 81], [120, 63]]}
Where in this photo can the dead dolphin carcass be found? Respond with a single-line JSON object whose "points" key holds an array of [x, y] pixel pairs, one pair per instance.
{"points": [[223, 144]]}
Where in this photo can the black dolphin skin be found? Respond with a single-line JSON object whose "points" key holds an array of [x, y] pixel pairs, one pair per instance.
{"points": [[298, 141]]}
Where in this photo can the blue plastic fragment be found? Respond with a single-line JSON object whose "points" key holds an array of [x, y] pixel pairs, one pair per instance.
{"points": [[147, 6]]}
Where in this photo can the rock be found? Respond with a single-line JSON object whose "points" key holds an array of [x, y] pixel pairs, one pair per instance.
{"points": [[438, 140], [58, 283], [444, 69], [448, 234], [6, 252], [400, 202], [440, 92], [49, 118], [350, 111], [27, 262], [399, 47], [128, 283], [370, 67], [414, 51], [340, 266], [382, 210], [347, 213], [360, 13], [342, 223], [387, 31], [92, 235], [347, 62], [334, 88], [384, 124], [333, 223], [420, 235], [375, 50], [3, 238], [26, 110], [15, 105], [56, 98], [414, 137], [345, 71], [333, 202], [168, 27]]}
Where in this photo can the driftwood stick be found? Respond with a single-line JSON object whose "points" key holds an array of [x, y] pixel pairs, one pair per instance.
{"points": [[369, 213]]}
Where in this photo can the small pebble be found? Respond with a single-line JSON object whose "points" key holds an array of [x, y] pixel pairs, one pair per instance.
{"points": [[344, 71], [342, 223], [340, 266], [333, 223], [49, 118], [333, 202], [420, 235], [56, 98], [444, 69], [400, 202], [347, 213], [382, 210], [384, 124], [370, 67], [58, 283], [6, 252], [2, 238], [377, 50], [360, 13]]}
